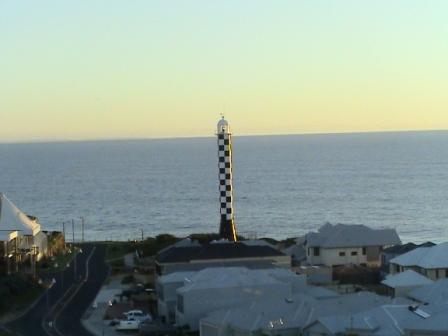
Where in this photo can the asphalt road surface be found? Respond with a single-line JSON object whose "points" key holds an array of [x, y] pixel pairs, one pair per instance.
{"points": [[59, 311]]}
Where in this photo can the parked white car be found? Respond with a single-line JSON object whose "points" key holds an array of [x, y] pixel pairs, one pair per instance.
{"points": [[127, 325], [137, 315]]}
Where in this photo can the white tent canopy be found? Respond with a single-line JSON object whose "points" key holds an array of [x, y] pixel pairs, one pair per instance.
{"points": [[13, 219]]}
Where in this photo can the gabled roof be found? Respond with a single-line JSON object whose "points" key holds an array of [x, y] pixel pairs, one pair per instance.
{"points": [[211, 251], [425, 257], [296, 251], [407, 278], [343, 235], [13, 219], [436, 292]]}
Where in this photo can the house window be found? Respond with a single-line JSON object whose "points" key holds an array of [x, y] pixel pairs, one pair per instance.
{"points": [[354, 253], [221, 147], [220, 136], [222, 170], [222, 182], [221, 159], [316, 251], [226, 142], [228, 176], [364, 251], [228, 187], [342, 254], [229, 199], [227, 164]]}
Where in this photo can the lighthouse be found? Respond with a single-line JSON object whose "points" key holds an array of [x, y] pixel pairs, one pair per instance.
{"points": [[227, 229]]}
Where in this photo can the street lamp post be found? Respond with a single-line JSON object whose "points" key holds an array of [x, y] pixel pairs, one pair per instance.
{"points": [[74, 250]]}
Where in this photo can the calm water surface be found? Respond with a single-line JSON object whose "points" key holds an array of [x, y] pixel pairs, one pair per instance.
{"points": [[284, 185]]}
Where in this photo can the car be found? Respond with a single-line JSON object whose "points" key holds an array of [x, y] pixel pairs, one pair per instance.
{"points": [[129, 324], [138, 315]]}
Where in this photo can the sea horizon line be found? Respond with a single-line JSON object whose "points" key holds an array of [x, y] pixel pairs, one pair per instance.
{"points": [[167, 138]]}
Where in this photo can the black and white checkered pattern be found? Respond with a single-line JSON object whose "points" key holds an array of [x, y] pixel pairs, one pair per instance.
{"points": [[227, 226]]}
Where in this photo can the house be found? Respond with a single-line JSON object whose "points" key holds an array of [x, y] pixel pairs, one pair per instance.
{"points": [[219, 288], [284, 317], [434, 293], [431, 262], [397, 250], [401, 284], [21, 234], [196, 257], [343, 244]]}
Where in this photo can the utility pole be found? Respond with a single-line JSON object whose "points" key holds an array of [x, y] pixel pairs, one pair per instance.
{"points": [[82, 229], [142, 235], [33, 260], [73, 245], [63, 234]]}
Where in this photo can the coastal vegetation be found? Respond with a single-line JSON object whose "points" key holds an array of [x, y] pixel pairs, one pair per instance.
{"points": [[16, 292]]}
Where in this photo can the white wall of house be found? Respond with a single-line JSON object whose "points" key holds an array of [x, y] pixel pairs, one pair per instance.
{"points": [[167, 299], [189, 312], [336, 256]]}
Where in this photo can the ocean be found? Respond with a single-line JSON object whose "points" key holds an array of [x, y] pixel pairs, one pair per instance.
{"points": [[284, 186]]}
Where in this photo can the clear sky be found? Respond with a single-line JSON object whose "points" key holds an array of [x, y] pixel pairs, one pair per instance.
{"points": [[145, 68]]}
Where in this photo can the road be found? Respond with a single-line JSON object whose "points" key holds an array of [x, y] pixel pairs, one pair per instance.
{"points": [[59, 311]]}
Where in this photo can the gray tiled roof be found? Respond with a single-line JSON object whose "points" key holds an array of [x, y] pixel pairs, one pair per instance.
{"points": [[343, 235], [297, 312], [425, 257], [407, 278], [434, 293]]}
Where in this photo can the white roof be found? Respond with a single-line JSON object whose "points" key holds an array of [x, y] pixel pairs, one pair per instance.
{"points": [[343, 235], [13, 219], [407, 278], [425, 257]]}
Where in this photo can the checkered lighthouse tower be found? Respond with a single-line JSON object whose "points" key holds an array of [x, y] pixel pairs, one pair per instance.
{"points": [[227, 228]]}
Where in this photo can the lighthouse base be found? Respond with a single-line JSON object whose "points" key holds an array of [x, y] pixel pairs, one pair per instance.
{"points": [[227, 229]]}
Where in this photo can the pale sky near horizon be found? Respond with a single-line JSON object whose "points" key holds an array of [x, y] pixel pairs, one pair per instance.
{"points": [[145, 68]]}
